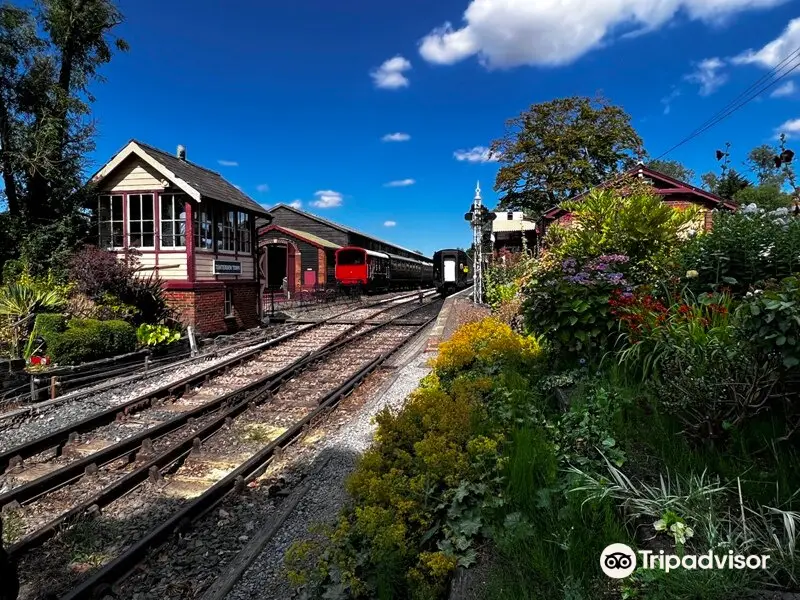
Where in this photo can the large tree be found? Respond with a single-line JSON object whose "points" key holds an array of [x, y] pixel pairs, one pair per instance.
{"points": [[673, 168], [761, 162], [556, 150], [50, 53]]}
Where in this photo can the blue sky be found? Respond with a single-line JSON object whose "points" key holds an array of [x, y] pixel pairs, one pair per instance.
{"points": [[292, 99]]}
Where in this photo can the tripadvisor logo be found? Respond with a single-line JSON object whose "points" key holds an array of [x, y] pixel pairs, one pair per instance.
{"points": [[619, 561]]}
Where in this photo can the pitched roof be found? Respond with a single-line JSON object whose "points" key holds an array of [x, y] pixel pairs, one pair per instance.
{"points": [[193, 179], [677, 187], [346, 229], [312, 239]]}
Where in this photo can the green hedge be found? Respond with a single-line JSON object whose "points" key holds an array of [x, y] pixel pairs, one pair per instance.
{"points": [[49, 324], [85, 340]]}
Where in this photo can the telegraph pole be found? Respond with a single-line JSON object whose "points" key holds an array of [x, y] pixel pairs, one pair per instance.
{"points": [[479, 218]]}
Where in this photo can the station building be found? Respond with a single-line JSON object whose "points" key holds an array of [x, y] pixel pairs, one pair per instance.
{"points": [[301, 247], [193, 228]]}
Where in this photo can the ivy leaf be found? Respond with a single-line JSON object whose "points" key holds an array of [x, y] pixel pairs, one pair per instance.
{"points": [[461, 492], [791, 361]]}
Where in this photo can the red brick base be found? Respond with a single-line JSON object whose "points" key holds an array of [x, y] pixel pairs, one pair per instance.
{"points": [[202, 305]]}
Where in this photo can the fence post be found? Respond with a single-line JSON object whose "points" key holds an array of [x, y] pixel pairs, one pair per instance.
{"points": [[33, 388], [53, 387], [192, 340]]}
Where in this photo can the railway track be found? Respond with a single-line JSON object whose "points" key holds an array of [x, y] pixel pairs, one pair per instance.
{"points": [[36, 412], [170, 461]]}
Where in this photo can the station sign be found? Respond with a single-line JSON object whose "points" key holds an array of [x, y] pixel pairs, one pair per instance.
{"points": [[227, 267]]}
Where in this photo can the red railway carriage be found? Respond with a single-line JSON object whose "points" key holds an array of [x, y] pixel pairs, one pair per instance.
{"points": [[370, 270]]}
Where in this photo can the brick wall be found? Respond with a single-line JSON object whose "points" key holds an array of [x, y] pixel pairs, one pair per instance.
{"points": [[184, 304], [204, 307]]}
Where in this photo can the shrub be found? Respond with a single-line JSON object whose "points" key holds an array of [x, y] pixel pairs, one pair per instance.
{"points": [[638, 225], [771, 321], [97, 272], [115, 289], [418, 494], [86, 339], [484, 346], [569, 304], [157, 335], [744, 250]]}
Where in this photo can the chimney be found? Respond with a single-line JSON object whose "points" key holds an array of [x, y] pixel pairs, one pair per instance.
{"points": [[182, 152]]}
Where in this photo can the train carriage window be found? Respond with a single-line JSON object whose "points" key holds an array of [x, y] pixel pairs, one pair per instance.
{"points": [[350, 257]]}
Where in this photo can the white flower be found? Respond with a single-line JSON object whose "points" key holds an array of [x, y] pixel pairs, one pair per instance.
{"points": [[660, 525], [692, 274]]}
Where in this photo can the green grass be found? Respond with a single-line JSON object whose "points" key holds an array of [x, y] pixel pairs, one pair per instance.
{"points": [[550, 543]]}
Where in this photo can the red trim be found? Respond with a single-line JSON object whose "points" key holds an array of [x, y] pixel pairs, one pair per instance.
{"points": [[156, 226], [194, 286], [189, 210], [265, 230]]}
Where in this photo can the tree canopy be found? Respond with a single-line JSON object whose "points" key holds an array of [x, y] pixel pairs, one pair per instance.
{"points": [[559, 149], [673, 168], [50, 54]]}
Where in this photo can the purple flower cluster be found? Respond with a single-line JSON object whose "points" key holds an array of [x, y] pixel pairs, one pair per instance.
{"points": [[605, 262], [597, 270], [568, 266]]}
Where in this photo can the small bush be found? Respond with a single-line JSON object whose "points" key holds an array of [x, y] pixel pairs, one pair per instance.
{"points": [[86, 340], [483, 346], [157, 335]]}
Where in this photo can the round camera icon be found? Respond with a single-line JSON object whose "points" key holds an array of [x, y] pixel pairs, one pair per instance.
{"points": [[618, 561]]}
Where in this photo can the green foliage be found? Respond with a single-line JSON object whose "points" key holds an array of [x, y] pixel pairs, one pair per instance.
{"points": [[761, 161], [727, 185], [673, 168], [587, 429], [568, 304], [558, 149], [47, 326], [20, 300], [766, 196], [771, 321], [86, 340], [638, 225], [52, 51], [147, 295], [743, 250], [156, 335]]}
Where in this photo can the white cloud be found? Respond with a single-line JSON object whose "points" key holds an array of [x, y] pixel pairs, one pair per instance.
{"points": [[669, 99], [786, 89], [389, 75], [791, 128], [775, 51], [708, 74], [327, 199], [262, 187], [396, 137], [400, 183], [296, 204], [509, 33], [478, 154], [389, 223], [228, 163]]}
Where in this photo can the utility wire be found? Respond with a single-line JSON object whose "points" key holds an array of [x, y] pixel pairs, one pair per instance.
{"points": [[785, 65]]}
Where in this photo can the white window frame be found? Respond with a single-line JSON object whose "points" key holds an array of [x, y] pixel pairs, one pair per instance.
{"points": [[141, 220], [243, 242], [228, 306], [203, 215], [178, 202], [111, 221]]}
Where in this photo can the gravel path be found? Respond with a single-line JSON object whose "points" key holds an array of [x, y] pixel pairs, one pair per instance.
{"points": [[265, 578], [63, 414]]}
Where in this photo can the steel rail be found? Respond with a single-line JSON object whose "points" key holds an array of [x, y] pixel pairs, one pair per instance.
{"points": [[249, 470], [129, 447], [76, 394], [59, 438]]}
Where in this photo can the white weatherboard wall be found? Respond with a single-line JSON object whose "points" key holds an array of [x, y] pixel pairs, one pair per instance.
{"points": [[133, 175], [204, 265]]}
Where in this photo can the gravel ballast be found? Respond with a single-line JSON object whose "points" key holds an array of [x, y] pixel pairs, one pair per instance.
{"points": [[71, 411], [326, 496]]}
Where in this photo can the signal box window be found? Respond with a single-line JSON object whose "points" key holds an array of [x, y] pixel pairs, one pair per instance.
{"points": [[141, 221], [110, 222]]}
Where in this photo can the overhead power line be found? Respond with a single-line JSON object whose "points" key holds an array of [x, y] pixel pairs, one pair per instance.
{"points": [[782, 70]]}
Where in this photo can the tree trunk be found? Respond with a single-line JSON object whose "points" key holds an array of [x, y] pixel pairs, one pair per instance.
{"points": [[5, 162]]}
